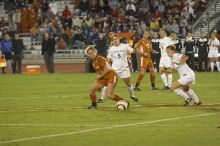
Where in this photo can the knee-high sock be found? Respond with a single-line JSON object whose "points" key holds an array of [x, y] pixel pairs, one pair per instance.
{"points": [[212, 66], [152, 79], [103, 95], [140, 77], [170, 79], [93, 99], [131, 91], [217, 63], [116, 97], [193, 95], [164, 79], [181, 93]]}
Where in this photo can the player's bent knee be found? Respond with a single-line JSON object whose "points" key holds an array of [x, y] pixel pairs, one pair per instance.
{"points": [[185, 88], [172, 88]]}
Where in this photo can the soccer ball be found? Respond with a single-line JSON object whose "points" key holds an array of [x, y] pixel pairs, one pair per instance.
{"points": [[122, 105]]}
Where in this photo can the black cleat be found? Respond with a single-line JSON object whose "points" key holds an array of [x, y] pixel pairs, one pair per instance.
{"points": [[186, 102], [128, 103], [197, 103], [100, 100], [165, 88], [154, 88], [137, 89], [134, 99], [92, 107]]}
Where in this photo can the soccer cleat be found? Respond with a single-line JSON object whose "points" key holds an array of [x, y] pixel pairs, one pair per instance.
{"points": [[128, 103], [186, 102], [137, 89], [100, 100], [197, 103], [134, 99], [165, 88], [154, 88], [92, 107]]}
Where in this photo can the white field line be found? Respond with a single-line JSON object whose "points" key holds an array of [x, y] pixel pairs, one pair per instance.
{"points": [[69, 125], [42, 97], [103, 128]]}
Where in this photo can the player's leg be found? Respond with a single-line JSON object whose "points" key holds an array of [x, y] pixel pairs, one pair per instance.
{"points": [[103, 95], [164, 78], [92, 94], [211, 62], [217, 63], [152, 78], [192, 95], [162, 66], [139, 78], [127, 82], [176, 89], [110, 94], [168, 64]]}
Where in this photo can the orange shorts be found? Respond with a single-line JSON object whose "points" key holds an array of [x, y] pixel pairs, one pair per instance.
{"points": [[111, 77], [146, 63]]}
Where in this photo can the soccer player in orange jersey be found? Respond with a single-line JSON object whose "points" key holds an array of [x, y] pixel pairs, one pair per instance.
{"points": [[106, 77], [144, 48]]}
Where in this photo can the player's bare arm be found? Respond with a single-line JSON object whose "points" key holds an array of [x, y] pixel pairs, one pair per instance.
{"points": [[104, 72], [183, 60]]}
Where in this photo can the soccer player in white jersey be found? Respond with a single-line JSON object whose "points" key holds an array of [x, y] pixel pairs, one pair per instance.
{"points": [[213, 51], [117, 55], [165, 60], [187, 76]]}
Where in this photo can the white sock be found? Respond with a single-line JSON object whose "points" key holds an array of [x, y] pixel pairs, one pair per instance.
{"points": [[193, 95], [181, 93], [131, 91], [217, 63], [170, 79], [212, 66], [164, 79], [103, 95]]}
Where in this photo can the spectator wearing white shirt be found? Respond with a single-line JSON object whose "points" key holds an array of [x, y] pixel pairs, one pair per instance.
{"points": [[214, 45], [53, 7], [189, 10]]}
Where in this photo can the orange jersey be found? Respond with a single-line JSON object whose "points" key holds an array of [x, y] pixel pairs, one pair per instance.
{"points": [[145, 46], [99, 64]]}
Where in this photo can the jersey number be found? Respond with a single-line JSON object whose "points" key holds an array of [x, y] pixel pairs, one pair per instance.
{"points": [[119, 56]]}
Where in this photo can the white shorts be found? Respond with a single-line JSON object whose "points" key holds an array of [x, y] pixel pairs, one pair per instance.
{"points": [[213, 53], [165, 62], [123, 73], [187, 79]]}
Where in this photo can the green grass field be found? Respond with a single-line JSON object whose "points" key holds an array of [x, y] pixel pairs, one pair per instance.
{"points": [[50, 110]]}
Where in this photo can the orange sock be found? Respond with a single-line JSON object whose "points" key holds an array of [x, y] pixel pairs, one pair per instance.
{"points": [[152, 79], [140, 77], [116, 97]]}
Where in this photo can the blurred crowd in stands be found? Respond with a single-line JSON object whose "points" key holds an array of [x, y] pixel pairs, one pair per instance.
{"points": [[81, 25], [89, 22]]}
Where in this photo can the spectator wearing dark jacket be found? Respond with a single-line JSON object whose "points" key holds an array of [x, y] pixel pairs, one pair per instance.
{"points": [[189, 44], [101, 45], [48, 50], [18, 53], [79, 39], [202, 44]]}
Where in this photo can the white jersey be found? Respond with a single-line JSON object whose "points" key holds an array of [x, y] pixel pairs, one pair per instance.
{"points": [[182, 69], [214, 45], [118, 56], [163, 44]]}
